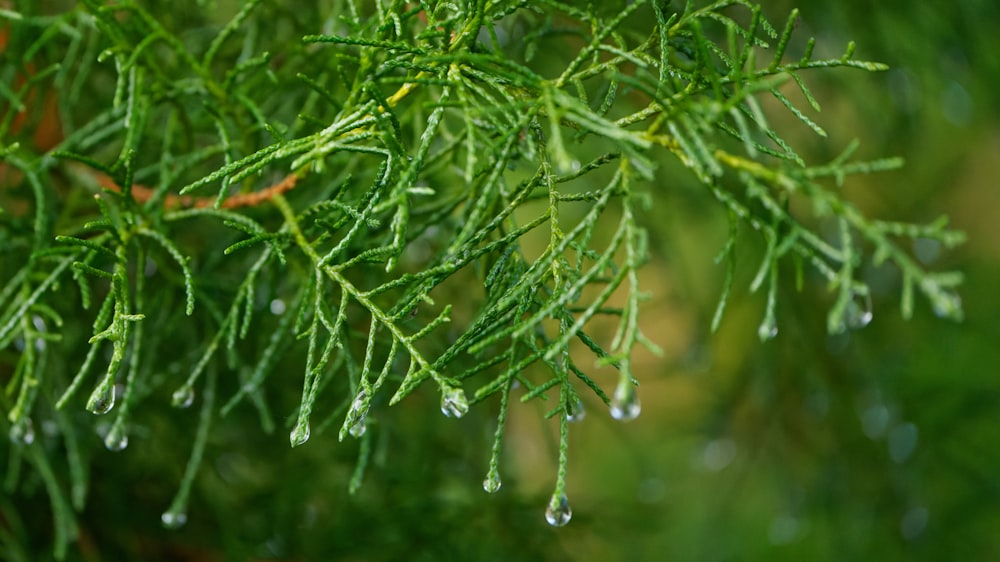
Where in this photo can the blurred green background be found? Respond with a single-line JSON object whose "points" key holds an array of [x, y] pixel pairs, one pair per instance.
{"points": [[883, 444]]}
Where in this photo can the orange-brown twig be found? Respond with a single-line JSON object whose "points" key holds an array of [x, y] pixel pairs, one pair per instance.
{"points": [[142, 194]]}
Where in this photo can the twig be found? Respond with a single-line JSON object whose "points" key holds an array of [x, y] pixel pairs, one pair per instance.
{"points": [[142, 194]]}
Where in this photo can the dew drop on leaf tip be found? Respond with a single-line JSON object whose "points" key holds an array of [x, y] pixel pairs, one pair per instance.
{"points": [[183, 397], [454, 404], [947, 305], [116, 440], [173, 519], [625, 404], [23, 432], [358, 428], [575, 411], [299, 435], [102, 400], [767, 331], [492, 482], [858, 313], [558, 512], [357, 415]]}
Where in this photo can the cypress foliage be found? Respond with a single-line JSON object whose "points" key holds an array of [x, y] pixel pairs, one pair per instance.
{"points": [[371, 200]]}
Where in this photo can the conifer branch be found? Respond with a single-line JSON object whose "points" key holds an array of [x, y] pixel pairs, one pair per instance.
{"points": [[413, 157]]}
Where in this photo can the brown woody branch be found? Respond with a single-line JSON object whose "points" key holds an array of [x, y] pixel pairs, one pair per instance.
{"points": [[142, 194]]}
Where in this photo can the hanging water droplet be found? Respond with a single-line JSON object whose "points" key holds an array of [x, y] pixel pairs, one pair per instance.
{"points": [[183, 397], [558, 512], [359, 428], [768, 329], [358, 407], [454, 403], [575, 411], [173, 519], [102, 399], [625, 404], [300, 434], [492, 482], [858, 312], [356, 422], [947, 305], [117, 438], [23, 432]]}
